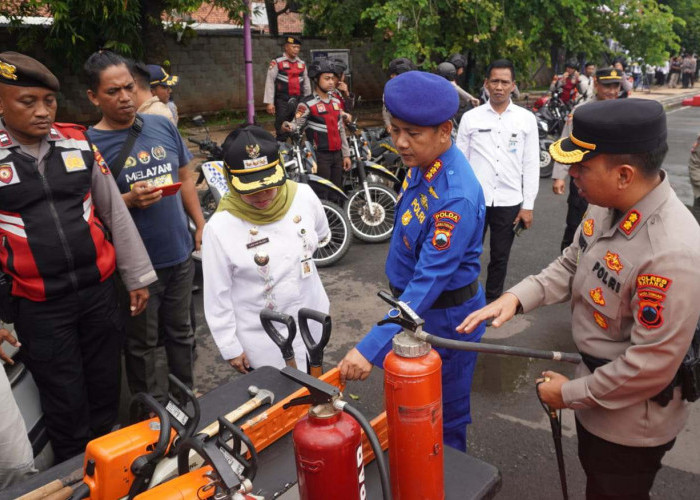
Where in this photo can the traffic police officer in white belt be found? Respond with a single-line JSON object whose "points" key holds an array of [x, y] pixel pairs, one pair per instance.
{"points": [[632, 274]]}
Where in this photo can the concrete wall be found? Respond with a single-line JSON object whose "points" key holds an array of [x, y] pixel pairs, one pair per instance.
{"points": [[211, 71]]}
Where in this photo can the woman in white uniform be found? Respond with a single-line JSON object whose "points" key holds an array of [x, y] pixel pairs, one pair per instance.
{"points": [[257, 252]]}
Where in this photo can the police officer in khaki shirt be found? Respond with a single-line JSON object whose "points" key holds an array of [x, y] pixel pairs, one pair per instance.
{"points": [[633, 277]]}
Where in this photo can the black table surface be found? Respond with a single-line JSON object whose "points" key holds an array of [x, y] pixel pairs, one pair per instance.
{"points": [[465, 477]]}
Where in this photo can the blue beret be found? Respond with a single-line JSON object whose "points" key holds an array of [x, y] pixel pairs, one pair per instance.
{"points": [[421, 98]]}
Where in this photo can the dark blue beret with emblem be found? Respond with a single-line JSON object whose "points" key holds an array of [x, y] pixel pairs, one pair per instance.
{"points": [[420, 98]]}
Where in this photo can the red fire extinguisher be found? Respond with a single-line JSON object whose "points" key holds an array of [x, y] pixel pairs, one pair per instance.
{"points": [[413, 397], [328, 444]]}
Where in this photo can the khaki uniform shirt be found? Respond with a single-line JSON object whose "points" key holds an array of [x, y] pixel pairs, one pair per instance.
{"points": [[634, 285], [153, 106]]}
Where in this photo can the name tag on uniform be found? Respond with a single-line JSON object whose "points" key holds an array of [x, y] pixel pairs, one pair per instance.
{"points": [[73, 161], [8, 174], [484, 130], [306, 267], [320, 107], [336, 107]]}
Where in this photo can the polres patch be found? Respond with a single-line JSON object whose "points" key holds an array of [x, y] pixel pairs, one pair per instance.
{"points": [[653, 281]]}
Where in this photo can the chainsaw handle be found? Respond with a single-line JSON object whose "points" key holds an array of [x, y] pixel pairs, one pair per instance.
{"points": [[267, 317], [230, 431], [185, 396], [315, 349], [149, 402]]}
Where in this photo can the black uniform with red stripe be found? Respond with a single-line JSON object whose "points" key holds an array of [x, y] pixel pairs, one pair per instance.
{"points": [[324, 127], [324, 122], [61, 262], [46, 220], [290, 78]]}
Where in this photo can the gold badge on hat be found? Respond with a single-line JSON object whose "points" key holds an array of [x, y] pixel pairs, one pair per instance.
{"points": [[7, 71], [253, 150], [613, 73]]}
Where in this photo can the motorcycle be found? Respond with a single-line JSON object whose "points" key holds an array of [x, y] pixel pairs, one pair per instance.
{"points": [[546, 160], [299, 163], [210, 171], [370, 207], [554, 112]]}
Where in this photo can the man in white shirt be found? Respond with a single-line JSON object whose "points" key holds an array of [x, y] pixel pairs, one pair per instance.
{"points": [[501, 142]]}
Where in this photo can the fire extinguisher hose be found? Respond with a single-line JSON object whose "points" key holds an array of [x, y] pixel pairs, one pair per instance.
{"points": [[373, 441], [569, 357]]}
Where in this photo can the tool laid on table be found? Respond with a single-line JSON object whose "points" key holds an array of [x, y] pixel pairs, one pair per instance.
{"points": [[226, 473], [167, 467]]}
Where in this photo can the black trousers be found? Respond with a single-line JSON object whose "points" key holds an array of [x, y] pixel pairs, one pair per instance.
{"points": [[330, 166], [577, 206], [499, 222], [615, 471], [72, 347], [282, 114]]}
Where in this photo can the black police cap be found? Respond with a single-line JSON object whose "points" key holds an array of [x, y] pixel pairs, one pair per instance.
{"points": [[608, 75], [293, 39], [24, 71], [619, 126], [251, 160]]}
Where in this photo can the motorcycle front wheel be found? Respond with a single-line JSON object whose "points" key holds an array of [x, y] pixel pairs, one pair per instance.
{"points": [[546, 160], [337, 243], [374, 221]]}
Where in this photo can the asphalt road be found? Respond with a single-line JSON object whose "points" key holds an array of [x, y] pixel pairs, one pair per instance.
{"points": [[509, 430]]}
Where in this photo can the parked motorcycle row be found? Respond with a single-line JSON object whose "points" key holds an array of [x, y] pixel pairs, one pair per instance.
{"points": [[551, 113], [363, 207]]}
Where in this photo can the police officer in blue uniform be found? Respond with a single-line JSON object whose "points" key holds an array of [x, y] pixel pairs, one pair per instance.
{"points": [[433, 262]]}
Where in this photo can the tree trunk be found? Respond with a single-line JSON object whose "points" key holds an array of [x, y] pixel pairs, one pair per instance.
{"points": [[271, 17], [155, 49]]}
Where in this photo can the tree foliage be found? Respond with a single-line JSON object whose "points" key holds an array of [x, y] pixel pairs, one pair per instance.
{"points": [[133, 28], [528, 32]]}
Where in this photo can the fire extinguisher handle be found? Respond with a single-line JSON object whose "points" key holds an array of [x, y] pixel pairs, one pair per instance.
{"points": [[314, 348], [402, 314], [267, 317]]}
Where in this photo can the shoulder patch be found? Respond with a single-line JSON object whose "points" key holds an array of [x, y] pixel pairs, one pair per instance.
{"points": [[630, 222], [433, 170], [100, 161], [447, 215], [649, 313]]}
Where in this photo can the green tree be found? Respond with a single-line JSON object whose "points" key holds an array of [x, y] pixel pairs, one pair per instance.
{"points": [[528, 32], [133, 28], [687, 22]]}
